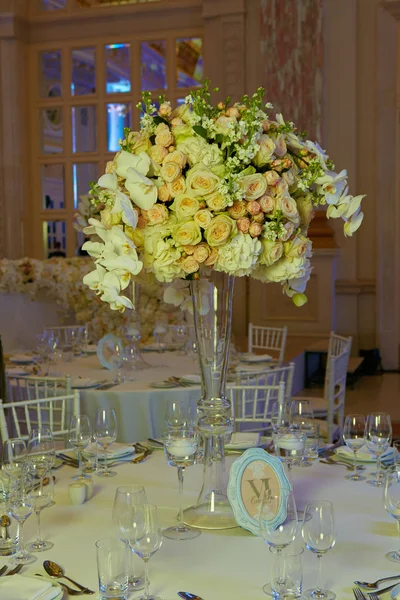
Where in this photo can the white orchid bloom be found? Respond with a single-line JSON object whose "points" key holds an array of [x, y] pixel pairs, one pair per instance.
{"points": [[125, 161], [353, 207], [94, 249], [94, 226], [116, 301], [142, 190], [175, 296], [123, 205], [109, 181], [123, 267], [351, 226], [332, 186], [95, 278]]}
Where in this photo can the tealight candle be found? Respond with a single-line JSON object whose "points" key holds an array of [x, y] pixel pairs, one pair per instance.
{"points": [[77, 492], [89, 488], [181, 448], [288, 442]]}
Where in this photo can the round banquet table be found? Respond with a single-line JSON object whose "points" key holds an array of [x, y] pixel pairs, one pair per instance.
{"points": [[219, 565]]}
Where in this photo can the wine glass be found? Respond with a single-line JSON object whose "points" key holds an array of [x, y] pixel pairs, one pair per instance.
{"points": [[146, 539], [80, 435], [160, 335], [19, 506], [41, 449], [105, 432], [378, 433], [182, 336], [176, 415], [41, 496], [391, 499], [302, 419], [281, 535], [180, 447], [318, 532], [116, 359], [14, 458], [354, 438], [280, 415], [126, 497]]}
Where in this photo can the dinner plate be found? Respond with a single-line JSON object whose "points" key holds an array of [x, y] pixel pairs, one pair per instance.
{"points": [[85, 382], [15, 371], [163, 384], [193, 378], [21, 359], [395, 592], [255, 358]]}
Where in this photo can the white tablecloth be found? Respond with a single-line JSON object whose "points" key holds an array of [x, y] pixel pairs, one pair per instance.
{"points": [[219, 565]]}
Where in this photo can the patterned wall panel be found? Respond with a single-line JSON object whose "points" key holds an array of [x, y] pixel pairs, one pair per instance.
{"points": [[291, 59]]}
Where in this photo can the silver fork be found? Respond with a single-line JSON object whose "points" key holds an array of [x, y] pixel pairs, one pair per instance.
{"points": [[358, 594]]}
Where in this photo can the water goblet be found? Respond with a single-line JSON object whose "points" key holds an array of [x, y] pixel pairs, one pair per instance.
{"points": [[278, 537], [105, 432], [126, 497], [146, 539], [19, 507], [41, 496], [354, 438], [391, 499], [14, 458], [318, 531], [41, 449], [378, 433], [79, 435], [176, 415], [180, 447]]}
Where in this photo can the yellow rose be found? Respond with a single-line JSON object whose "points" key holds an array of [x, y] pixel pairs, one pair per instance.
{"points": [[157, 214], [201, 252], [185, 206], [164, 136], [110, 219], [136, 235], [254, 186], [212, 259], [217, 201], [220, 230], [190, 265], [265, 152], [297, 248], [187, 233], [306, 210], [170, 171], [203, 218], [271, 252], [178, 186], [158, 153], [237, 210], [138, 142], [163, 193], [201, 182], [177, 157]]}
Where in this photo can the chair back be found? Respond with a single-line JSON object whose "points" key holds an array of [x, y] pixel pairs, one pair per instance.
{"points": [[30, 387], [269, 376], [268, 338], [251, 404], [335, 380]]}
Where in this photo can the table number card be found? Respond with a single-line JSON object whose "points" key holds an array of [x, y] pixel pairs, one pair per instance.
{"points": [[251, 476]]}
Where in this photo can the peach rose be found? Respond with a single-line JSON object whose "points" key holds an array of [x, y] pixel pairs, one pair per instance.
{"points": [[280, 145], [233, 112], [189, 249], [254, 186], [142, 221], [190, 265], [170, 171], [212, 259], [258, 218], [271, 177], [289, 229], [178, 186], [165, 109], [243, 224], [253, 207], [176, 122], [203, 218], [255, 229], [157, 214], [164, 193], [238, 209], [176, 156], [267, 203], [158, 153], [202, 252], [164, 136]]}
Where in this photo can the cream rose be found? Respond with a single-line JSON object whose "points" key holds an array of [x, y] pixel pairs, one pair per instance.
{"points": [[280, 145], [110, 219], [220, 230], [157, 214], [298, 247], [254, 186], [267, 203], [177, 157], [165, 109], [164, 136], [187, 233], [201, 181], [163, 193], [288, 207], [190, 265], [238, 209], [265, 152], [217, 201], [272, 178], [170, 171], [289, 228], [225, 125], [211, 260], [203, 218], [271, 252], [138, 142], [185, 206], [178, 186], [158, 153], [201, 252]]}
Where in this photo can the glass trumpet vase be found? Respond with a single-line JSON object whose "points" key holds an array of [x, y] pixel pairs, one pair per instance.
{"points": [[212, 306]]}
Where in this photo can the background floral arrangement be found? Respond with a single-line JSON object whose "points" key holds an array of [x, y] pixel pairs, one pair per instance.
{"points": [[60, 279], [212, 187]]}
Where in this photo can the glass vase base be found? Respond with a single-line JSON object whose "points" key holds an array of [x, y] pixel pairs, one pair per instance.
{"points": [[40, 546], [267, 589], [106, 473], [393, 556], [202, 517], [319, 595], [181, 533]]}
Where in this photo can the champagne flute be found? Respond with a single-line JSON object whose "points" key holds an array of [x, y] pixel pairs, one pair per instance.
{"points": [[126, 497], [19, 506], [354, 438], [391, 499], [319, 536], [80, 435], [14, 458], [378, 433], [176, 416], [280, 536], [146, 539], [180, 447], [41, 496], [105, 432]]}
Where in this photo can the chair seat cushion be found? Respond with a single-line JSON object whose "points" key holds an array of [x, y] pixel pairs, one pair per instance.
{"points": [[319, 404], [323, 430]]}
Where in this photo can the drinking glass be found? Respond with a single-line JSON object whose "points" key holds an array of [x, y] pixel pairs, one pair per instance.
{"points": [[392, 504], [146, 539], [354, 438], [318, 533], [289, 445], [292, 567], [176, 415], [280, 415], [182, 336], [180, 447], [302, 419], [41, 449], [105, 432], [126, 497], [19, 506], [112, 567], [378, 433], [41, 496], [280, 536], [116, 359], [80, 434], [14, 458]]}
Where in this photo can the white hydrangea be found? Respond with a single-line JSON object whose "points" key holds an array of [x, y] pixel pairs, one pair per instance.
{"points": [[239, 256]]}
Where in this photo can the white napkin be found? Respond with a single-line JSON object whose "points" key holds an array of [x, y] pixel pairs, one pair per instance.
{"points": [[255, 358], [363, 454], [116, 450], [245, 440], [22, 587]]}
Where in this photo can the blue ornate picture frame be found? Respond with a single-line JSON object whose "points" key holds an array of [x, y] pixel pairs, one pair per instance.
{"points": [[249, 477], [107, 339]]}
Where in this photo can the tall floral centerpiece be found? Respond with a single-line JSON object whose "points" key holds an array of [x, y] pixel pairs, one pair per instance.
{"points": [[200, 195]]}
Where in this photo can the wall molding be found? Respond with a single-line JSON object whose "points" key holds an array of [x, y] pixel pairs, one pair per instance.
{"points": [[355, 286]]}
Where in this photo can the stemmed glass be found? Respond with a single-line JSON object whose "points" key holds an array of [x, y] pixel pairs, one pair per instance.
{"points": [[14, 458], [160, 335], [180, 447], [354, 438], [117, 358], [146, 539], [318, 532], [19, 506], [41, 449], [182, 336], [126, 497], [80, 435], [280, 415], [41, 496], [176, 415], [280, 536], [392, 505], [378, 433], [105, 433], [302, 419]]}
